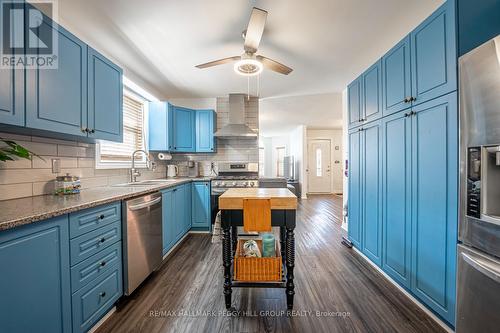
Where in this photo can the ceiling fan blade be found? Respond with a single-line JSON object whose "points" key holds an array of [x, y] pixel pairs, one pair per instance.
{"points": [[255, 29], [274, 65], [218, 62]]}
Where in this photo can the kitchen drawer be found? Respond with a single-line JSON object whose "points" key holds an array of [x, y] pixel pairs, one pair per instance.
{"points": [[90, 219], [89, 244], [91, 302], [95, 266]]}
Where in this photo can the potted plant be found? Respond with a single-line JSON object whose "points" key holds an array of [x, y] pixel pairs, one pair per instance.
{"points": [[11, 150]]}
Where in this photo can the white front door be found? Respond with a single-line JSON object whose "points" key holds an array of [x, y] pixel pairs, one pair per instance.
{"points": [[319, 170]]}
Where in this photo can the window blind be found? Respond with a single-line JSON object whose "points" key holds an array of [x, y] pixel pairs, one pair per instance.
{"points": [[133, 133]]}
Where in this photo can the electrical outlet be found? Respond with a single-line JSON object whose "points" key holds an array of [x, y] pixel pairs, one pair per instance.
{"points": [[56, 165]]}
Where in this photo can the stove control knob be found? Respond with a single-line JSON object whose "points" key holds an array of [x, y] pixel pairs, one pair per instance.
{"points": [[245, 184], [252, 184], [217, 183], [234, 184]]}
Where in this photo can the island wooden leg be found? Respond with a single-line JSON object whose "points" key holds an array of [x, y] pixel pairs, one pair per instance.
{"points": [[226, 260], [282, 243], [290, 264], [234, 238]]}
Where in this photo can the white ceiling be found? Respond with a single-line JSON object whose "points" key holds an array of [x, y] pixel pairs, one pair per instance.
{"points": [[158, 42]]}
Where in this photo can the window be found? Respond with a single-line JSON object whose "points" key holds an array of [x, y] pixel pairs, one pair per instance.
{"points": [[280, 161], [110, 155]]}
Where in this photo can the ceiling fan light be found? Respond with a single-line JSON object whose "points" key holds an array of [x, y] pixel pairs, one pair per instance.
{"points": [[248, 67]]}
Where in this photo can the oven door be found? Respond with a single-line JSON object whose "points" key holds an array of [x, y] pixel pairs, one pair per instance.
{"points": [[478, 287]]}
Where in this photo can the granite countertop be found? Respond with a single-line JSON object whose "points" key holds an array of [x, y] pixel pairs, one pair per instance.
{"points": [[18, 212]]}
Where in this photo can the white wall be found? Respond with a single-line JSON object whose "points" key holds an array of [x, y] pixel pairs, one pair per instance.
{"points": [[335, 138]]}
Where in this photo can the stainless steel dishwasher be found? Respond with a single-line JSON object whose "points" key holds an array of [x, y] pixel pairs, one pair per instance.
{"points": [[142, 234]]}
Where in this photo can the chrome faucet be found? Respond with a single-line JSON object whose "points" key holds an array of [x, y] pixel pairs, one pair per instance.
{"points": [[134, 173]]}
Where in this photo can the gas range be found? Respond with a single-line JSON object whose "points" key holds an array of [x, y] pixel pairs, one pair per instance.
{"points": [[235, 174]]}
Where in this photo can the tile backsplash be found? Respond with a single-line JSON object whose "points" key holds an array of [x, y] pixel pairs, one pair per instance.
{"points": [[24, 178], [234, 149]]}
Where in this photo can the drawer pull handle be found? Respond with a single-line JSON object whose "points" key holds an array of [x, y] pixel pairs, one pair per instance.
{"points": [[102, 294], [103, 263], [102, 240], [100, 217]]}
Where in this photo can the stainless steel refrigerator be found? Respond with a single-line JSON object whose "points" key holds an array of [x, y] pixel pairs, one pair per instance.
{"points": [[478, 277]]}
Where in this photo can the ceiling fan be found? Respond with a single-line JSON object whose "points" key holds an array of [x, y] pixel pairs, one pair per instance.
{"points": [[250, 63]]}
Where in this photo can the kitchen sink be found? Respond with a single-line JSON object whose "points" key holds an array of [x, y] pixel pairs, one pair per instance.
{"points": [[147, 182]]}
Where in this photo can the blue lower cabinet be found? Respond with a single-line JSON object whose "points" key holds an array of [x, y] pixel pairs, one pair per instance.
{"points": [[94, 300], [90, 219], [95, 241], [168, 229], [35, 279], [180, 211], [371, 152], [187, 206], [95, 266], [435, 203], [201, 206]]}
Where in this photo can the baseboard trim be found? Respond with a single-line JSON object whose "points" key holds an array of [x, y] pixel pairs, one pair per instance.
{"points": [[407, 294], [199, 232], [175, 246], [102, 320]]}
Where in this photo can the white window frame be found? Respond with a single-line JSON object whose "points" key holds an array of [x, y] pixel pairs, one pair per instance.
{"points": [[139, 163]]}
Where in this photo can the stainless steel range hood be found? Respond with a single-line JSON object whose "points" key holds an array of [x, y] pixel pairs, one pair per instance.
{"points": [[237, 127]]}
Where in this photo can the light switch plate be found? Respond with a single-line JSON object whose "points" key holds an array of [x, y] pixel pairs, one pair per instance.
{"points": [[56, 165]]}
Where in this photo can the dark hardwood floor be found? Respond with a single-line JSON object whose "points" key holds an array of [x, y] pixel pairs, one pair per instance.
{"points": [[348, 293]]}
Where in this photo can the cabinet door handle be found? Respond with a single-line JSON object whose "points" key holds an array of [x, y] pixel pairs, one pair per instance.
{"points": [[407, 114], [83, 129], [92, 131], [103, 263], [100, 217], [102, 294], [413, 99], [102, 240]]}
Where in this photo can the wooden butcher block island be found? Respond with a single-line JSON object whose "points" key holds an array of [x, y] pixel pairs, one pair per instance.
{"points": [[283, 213]]}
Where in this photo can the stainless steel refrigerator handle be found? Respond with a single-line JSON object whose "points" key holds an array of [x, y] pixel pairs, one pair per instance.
{"points": [[145, 204], [492, 274]]}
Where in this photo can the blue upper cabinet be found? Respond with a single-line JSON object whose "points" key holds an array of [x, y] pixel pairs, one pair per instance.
{"points": [[435, 206], [160, 126], [184, 123], [56, 99], [355, 189], [12, 91], [105, 103], [434, 55], [354, 103], [371, 100], [35, 280], [396, 175], [478, 22], [396, 80], [201, 205], [205, 126]]}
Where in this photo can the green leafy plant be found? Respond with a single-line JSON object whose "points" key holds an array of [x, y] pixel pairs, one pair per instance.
{"points": [[13, 150]]}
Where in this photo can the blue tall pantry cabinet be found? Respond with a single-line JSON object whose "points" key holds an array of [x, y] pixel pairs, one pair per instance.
{"points": [[403, 168]]}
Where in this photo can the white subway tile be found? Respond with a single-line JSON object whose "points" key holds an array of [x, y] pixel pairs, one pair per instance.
{"points": [[71, 151], [41, 188], [13, 191], [53, 141], [40, 148], [16, 164], [14, 176], [15, 137], [84, 162]]}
